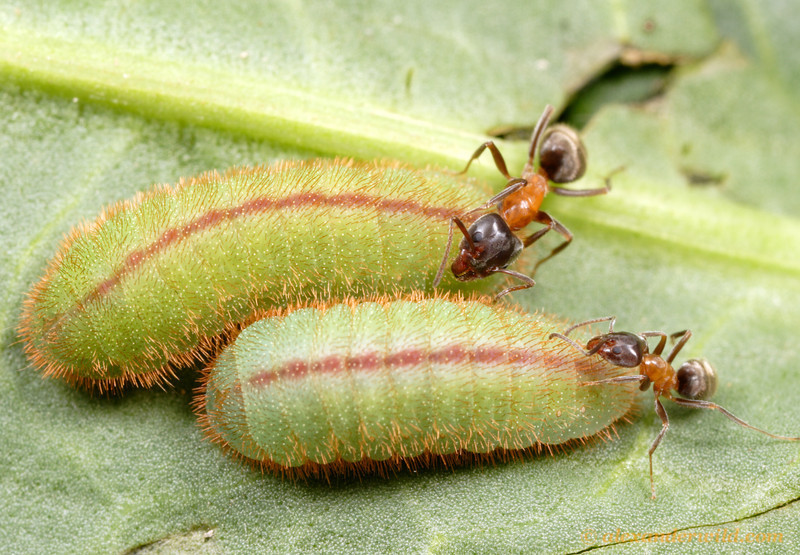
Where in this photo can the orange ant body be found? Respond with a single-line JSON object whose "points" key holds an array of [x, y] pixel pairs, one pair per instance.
{"points": [[695, 381], [490, 244]]}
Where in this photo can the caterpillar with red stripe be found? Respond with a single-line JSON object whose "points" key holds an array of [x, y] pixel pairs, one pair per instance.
{"points": [[363, 387], [149, 284], [376, 386]]}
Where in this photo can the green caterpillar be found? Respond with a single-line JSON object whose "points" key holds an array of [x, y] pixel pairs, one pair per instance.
{"points": [[152, 281], [354, 387], [375, 386]]}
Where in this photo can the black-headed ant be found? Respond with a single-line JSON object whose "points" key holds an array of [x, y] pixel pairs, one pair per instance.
{"points": [[695, 381], [490, 244]]}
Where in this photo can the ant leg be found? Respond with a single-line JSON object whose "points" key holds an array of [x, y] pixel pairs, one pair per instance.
{"points": [[546, 219], [587, 192], [499, 161], [522, 277], [579, 192], [661, 342], [664, 427], [679, 345], [699, 404], [531, 239], [677, 334], [512, 186], [541, 125]]}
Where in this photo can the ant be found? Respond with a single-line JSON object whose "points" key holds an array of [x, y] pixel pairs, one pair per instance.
{"points": [[695, 381], [490, 244]]}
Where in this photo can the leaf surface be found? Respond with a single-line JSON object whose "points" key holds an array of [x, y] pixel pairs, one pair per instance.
{"points": [[701, 230]]}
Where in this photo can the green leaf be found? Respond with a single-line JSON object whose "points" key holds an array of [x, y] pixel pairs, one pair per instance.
{"points": [[701, 230]]}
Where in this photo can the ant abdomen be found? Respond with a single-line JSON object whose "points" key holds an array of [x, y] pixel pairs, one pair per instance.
{"points": [[697, 379], [562, 156]]}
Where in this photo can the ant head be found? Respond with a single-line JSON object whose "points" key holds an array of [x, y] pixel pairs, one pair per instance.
{"points": [[697, 379], [491, 245], [619, 348], [562, 156]]}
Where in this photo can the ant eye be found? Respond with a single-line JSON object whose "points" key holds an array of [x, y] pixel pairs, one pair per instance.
{"points": [[477, 236], [616, 350]]}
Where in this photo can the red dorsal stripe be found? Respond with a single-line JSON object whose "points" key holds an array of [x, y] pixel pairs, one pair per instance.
{"points": [[373, 361], [262, 204]]}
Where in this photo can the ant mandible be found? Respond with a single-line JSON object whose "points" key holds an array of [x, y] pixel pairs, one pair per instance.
{"points": [[695, 381], [490, 244]]}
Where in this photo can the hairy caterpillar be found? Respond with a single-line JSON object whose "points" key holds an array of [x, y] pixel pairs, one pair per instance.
{"points": [[149, 284], [371, 386]]}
